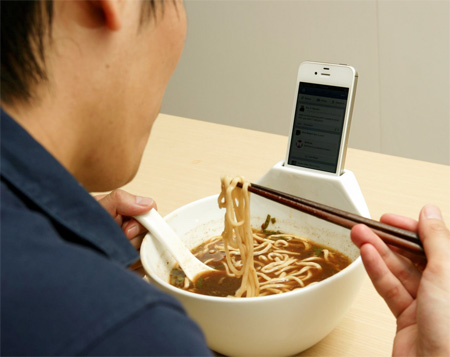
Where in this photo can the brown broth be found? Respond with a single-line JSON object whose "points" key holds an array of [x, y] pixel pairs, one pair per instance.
{"points": [[218, 283]]}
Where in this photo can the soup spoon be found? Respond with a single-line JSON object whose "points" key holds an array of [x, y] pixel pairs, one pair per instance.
{"points": [[161, 230]]}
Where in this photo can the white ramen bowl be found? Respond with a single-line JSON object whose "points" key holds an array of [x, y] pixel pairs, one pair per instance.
{"points": [[280, 325]]}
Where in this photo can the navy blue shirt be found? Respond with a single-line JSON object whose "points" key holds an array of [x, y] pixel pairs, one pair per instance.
{"points": [[65, 286]]}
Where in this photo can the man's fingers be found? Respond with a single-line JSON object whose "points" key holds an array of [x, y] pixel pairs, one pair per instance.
{"points": [[435, 237], [122, 203], [387, 284], [137, 241], [434, 234], [398, 266], [133, 228], [400, 221], [122, 206]]}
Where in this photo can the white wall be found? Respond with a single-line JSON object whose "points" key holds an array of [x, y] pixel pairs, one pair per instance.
{"points": [[241, 57]]}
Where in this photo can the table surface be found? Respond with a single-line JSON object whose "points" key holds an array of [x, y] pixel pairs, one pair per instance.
{"points": [[185, 159]]}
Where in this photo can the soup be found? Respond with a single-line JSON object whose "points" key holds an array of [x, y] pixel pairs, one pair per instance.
{"points": [[252, 262], [283, 262]]}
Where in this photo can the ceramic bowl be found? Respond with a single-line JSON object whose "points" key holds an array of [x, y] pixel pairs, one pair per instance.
{"points": [[282, 324]]}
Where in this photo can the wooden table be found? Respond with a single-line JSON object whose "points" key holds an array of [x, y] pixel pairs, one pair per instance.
{"points": [[185, 159]]}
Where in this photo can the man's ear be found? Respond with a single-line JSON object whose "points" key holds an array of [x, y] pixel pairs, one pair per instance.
{"points": [[109, 10], [98, 13], [92, 14]]}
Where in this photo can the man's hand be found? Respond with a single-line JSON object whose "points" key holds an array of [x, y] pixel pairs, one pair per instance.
{"points": [[122, 206], [420, 300]]}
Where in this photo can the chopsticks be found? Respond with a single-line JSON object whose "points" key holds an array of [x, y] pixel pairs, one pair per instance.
{"points": [[394, 236]]}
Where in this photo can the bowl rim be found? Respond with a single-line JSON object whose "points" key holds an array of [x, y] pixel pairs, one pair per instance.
{"points": [[355, 264]]}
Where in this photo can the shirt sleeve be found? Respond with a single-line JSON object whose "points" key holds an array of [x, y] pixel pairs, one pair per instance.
{"points": [[159, 330]]}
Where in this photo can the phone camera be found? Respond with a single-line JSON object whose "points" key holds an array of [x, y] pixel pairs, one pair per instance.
{"points": [[315, 73]]}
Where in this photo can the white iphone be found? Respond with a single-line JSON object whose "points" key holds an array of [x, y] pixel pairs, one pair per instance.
{"points": [[321, 117]]}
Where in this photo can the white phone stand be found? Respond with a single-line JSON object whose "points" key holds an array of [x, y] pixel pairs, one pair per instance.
{"points": [[342, 191]]}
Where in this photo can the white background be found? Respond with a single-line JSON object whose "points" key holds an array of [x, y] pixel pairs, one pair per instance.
{"points": [[240, 63]]}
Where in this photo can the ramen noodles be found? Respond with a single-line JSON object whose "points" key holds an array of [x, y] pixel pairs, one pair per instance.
{"points": [[251, 262]]}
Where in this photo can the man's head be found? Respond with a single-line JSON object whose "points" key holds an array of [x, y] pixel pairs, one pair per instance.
{"points": [[87, 78], [26, 30]]}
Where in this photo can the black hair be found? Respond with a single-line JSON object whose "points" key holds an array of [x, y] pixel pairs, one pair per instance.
{"points": [[25, 29]]}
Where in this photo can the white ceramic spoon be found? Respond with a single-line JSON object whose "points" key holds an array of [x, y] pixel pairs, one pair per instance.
{"points": [[159, 229]]}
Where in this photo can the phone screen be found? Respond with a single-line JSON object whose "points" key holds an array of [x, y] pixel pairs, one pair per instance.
{"points": [[318, 124]]}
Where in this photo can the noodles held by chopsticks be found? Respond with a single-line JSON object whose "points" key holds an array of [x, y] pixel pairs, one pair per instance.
{"points": [[238, 233], [266, 262], [254, 256]]}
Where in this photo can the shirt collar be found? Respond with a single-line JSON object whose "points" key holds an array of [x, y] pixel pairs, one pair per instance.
{"points": [[33, 171]]}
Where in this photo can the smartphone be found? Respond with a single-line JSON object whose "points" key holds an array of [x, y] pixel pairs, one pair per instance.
{"points": [[321, 117]]}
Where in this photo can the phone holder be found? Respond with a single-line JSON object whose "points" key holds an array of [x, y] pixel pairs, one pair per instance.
{"points": [[342, 191]]}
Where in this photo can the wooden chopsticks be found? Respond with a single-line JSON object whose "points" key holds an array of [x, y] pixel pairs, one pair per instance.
{"points": [[394, 236]]}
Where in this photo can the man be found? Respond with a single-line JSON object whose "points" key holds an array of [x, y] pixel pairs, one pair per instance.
{"points": [[82, 83]]}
